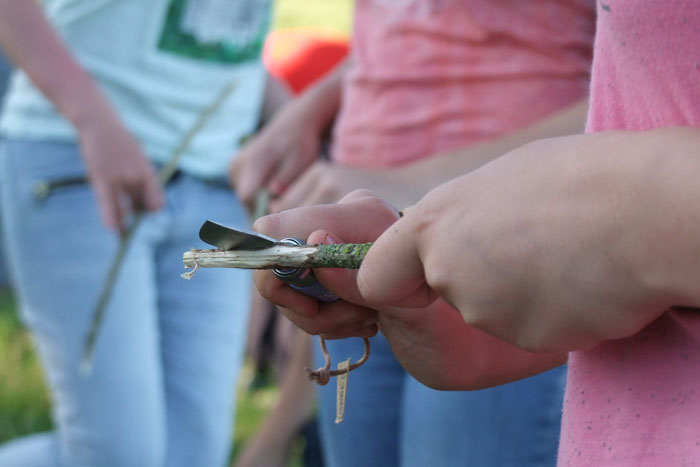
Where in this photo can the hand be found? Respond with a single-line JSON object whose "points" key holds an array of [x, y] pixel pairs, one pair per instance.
{"points": [[278, 154], [119, 172], [325, 183], [536, 248], [342, 318], [433, 343]]}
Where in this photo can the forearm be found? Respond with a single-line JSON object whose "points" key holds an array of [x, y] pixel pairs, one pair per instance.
{"points": [[433, 171], [277, 94], [31, 43], [321, 101], [296, 401]]}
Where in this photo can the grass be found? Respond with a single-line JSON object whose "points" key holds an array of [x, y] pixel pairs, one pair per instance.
{"points": [[24, 399]]}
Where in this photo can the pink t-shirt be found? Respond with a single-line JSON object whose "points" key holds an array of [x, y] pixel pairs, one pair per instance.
{"points": [[636, 401], [432, 75]]}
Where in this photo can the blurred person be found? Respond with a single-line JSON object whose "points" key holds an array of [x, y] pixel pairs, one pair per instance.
{"points": [[106, 93], [5, 70], [273, 340], [580, 247], [431, 90]]}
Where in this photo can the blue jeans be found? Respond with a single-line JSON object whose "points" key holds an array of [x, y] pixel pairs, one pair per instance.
{"points": [[161, 389], [393, 420]]}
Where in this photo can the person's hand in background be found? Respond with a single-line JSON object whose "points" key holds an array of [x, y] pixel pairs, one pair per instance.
{"points": [[289, 143], [123, 179]]}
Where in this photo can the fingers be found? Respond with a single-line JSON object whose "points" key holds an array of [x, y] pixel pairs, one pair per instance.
{"points": [[153, 196], [338, 319], [118, 198], [287, 171], [369, 331], [359, 217], [299, 193], [248, 173], [109, 208], [281, 294], [144, 190]]}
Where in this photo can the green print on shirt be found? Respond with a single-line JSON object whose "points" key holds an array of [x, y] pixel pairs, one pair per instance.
{"points": [[225, 31]]}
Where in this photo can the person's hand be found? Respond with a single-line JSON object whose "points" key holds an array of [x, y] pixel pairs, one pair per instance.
{"points": [[433, 342], [536, 248], [325, 182], [278, 154], [123, 179], [368, 217]]}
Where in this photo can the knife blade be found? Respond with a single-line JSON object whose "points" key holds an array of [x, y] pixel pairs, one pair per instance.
{"points": [[227, 238]]}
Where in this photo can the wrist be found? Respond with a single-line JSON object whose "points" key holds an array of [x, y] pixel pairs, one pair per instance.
{"points": [[87, 112], [313, 110], [321, 101], [667, 244]]}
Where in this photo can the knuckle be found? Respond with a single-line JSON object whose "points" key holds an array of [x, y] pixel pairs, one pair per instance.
{"points": [[437, 275]]}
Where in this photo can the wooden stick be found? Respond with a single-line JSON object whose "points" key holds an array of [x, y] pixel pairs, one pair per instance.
{"points": [[344, 255]]}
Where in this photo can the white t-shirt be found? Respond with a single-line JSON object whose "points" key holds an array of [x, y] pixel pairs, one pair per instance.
{"points": [[160, 62]]}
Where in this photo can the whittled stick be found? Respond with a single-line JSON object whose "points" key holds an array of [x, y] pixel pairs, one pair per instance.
{"points": [[342, 255]]}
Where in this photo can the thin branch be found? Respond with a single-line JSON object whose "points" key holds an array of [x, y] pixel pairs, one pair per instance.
{"points": [[346, 256]]}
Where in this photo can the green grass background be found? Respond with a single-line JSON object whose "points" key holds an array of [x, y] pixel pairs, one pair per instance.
{"points": [[24, 400]]}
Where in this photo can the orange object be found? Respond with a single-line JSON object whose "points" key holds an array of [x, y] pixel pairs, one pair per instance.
{"points": [[300, 56]]}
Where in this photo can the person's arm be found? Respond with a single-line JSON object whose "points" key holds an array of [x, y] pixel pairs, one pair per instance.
{"points": [[326, 182], [558, 245], [290, 142], [277, 94], [272, 442], [428, 173], [116, 166]]}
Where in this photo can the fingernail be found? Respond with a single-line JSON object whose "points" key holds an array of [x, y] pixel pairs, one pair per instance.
{"points": [[276, 187], [330, 240]]}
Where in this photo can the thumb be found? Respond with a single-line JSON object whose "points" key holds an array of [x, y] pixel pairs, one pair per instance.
{"points": [[392, 272]]}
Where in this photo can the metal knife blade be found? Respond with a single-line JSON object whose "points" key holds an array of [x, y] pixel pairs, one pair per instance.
{"points": [[226, 238]]}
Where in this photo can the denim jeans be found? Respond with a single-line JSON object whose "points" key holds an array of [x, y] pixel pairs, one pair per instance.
{"points": [[393, 420], [161, 389]]}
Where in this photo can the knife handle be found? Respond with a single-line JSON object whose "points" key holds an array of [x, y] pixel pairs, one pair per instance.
{"points": [[303, 279]]}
